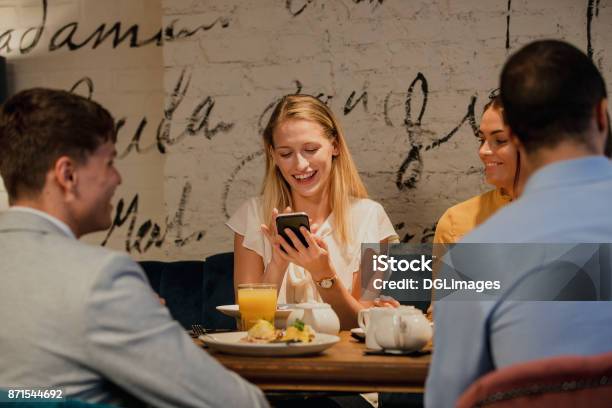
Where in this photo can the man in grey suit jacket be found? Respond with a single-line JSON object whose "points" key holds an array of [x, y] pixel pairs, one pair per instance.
{"points": [[74, 316]]}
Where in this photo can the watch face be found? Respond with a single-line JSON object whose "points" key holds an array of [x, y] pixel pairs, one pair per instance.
{"points": [[327, 283]]}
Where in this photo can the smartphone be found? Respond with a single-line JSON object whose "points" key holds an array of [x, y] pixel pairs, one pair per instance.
{"points": [[293, 221]]}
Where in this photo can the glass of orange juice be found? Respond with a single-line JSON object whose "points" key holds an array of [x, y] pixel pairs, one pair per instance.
{"points": [[256, 301]]}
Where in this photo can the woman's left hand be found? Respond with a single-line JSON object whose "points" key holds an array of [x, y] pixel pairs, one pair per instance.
{"points": [[314, 258], [385, 301]]}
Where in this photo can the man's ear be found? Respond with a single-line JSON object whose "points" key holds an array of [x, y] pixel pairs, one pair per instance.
{"points": [[64, 172], [602, 115], [602, 119]]}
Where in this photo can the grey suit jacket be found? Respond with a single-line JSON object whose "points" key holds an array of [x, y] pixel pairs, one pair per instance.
{"points": [[85, 319]]}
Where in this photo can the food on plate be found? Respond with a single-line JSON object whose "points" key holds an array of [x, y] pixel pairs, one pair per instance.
{"points": [[264, 332], [298, 332]]}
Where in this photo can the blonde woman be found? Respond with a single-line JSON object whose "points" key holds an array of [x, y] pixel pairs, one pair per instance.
{"points": [[308, 169]]}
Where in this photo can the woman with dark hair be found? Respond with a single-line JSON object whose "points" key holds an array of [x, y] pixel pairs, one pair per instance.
{"points": [[502, 170]]}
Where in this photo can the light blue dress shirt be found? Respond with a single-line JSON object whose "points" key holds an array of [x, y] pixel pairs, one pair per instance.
{"points": [[564, 202]]}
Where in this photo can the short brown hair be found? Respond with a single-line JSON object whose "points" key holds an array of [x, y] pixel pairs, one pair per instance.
{"points": [[37, 126], [549, 90]]}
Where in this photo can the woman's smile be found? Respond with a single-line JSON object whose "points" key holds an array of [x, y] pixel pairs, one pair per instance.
{"points": [[305, 178], [498, 155], [303, 154]]}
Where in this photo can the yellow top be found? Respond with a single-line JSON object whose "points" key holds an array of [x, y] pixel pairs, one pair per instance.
{"points": [[461, 219], [467, 215]]}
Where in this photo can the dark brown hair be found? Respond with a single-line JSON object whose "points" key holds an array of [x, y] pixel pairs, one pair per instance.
{"points": [[549, 90], [38, 126], [496, 103]]}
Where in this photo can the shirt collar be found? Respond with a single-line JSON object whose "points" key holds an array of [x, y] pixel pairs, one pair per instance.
{"points": [[569, 172], [57, 222]]}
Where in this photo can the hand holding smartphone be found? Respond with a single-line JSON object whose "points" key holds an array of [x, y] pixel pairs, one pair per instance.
{"points": [[293, 221]]}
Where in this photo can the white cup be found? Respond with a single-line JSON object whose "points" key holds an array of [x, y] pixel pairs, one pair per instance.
{"points": [[404, 328], [368, 325]]}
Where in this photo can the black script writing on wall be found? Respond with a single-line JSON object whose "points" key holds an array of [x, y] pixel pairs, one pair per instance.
{"points": [[141, 236], [69, 36], [508, 25], [5, 38], [87, 84], [271, 105], [591, 5], [296, 7], [134, 144], [409, 173], [350, 104], [375, 2], [145, 235], [230, 180], [422, 235], [198, 121], [84, 82]]}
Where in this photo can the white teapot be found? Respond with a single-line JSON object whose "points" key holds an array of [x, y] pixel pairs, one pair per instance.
{"points": [[404, 328], [320, 316]]}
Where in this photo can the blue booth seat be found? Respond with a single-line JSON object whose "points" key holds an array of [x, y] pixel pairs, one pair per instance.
{"points": [[193, 289]]}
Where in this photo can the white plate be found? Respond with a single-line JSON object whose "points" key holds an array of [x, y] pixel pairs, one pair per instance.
{"points": [[282, 311], [358, 331], [231, 343]]}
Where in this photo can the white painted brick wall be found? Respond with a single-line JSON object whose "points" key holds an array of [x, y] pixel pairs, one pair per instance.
{"points": [[339, 47], [333, 48], [128, 81]]}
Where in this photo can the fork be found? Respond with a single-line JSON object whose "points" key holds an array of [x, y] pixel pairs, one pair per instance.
{"points": [[198, 330]]}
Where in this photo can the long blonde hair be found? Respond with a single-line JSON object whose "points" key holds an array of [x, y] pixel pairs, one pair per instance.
{"points": [[345, 184]]}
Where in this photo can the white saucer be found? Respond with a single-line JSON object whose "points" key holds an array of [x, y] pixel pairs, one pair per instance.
{"points": [[358, 332]]}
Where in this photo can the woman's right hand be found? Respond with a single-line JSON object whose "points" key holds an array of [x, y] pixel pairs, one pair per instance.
{"points": [[277, 261]]}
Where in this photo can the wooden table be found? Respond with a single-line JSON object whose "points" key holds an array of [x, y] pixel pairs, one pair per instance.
{"points": [[342, 367]]}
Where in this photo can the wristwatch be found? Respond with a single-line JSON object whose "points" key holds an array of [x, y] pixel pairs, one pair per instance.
{"points": [[327, 283]]}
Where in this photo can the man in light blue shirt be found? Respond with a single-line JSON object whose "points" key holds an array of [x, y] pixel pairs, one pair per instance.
{"points": [[555, 104]]}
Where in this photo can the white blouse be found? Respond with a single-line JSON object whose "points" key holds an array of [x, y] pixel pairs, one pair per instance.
{"points": [[369, 224]]}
